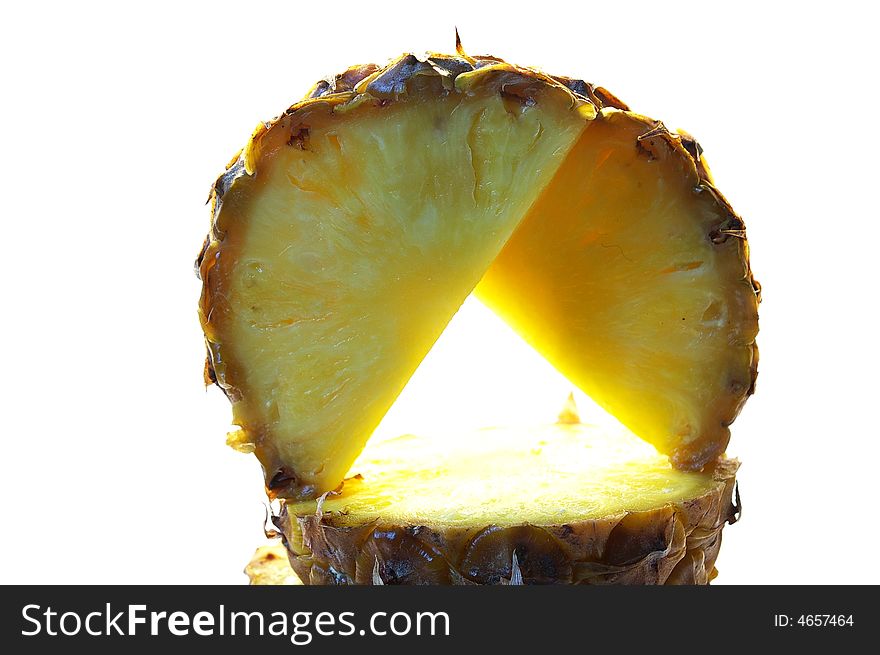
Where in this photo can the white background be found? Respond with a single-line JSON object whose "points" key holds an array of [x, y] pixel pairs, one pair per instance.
{"points": [[115, 120]]}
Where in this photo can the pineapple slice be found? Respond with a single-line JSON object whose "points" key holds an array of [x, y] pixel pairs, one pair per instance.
{"points": [[653, 311], [348, 234], [599, 507], [269, 566]]}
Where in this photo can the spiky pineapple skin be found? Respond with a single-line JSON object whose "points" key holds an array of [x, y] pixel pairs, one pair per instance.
{"points": [[673, 544]]}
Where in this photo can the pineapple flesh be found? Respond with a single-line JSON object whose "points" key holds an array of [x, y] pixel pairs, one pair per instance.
{"points": [[654, 310], [269, 566], [364, 227], [574, 472]]}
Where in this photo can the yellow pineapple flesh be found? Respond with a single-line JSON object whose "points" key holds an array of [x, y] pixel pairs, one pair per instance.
{"points": [[653, 310], [361, 230], [574, 472]]}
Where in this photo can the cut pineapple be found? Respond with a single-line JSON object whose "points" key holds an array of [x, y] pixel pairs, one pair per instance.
{"points": [[366, 222], [350, 230], [269, 567], [575, 503], [654, 310]]}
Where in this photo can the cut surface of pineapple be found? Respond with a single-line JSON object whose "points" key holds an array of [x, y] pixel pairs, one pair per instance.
{"points": [[653, 309], [366, 222], [570, 471], [576, 503]]}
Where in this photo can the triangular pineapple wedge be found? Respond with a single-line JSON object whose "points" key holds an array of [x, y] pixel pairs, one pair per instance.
{"points": [[349, 232], [631, 276]]}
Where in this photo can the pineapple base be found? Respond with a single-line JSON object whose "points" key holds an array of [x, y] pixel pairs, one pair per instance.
{"points": [[560, 504], [269, 567]]}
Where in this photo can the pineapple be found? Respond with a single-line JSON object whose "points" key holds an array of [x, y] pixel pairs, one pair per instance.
{"points": [[657, 311], [349, 231], [600, 507], [269, 566]]}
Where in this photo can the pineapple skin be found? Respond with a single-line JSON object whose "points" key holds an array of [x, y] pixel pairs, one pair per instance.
{"points": [[676, 544]]}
